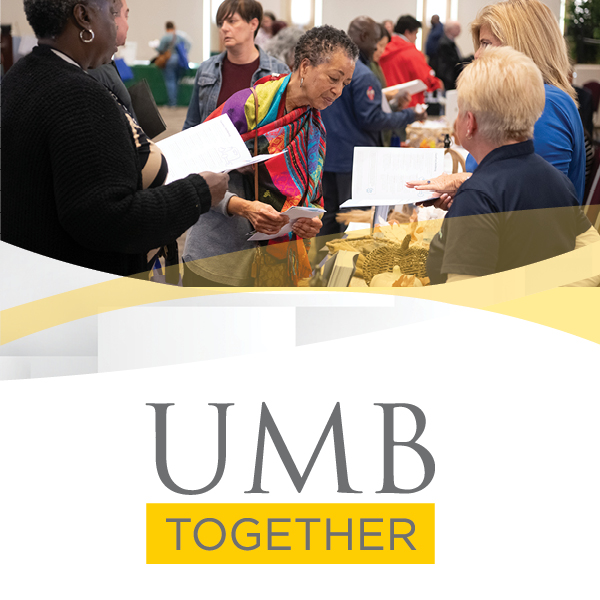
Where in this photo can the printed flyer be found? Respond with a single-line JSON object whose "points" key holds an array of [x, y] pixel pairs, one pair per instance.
{"points": [[162, 441]]}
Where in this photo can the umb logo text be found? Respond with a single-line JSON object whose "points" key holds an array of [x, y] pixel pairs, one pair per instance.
{"points": [[295, 533]]}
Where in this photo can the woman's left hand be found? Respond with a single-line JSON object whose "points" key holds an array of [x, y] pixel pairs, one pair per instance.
{"points": [[307, 228]]}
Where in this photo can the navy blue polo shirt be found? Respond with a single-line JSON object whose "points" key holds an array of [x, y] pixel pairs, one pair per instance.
{"points": [[515, 210]]}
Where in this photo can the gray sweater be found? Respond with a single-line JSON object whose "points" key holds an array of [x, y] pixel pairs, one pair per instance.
{"points": [[216, 246]]}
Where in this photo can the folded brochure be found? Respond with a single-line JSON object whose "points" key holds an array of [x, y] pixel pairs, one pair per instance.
{"points": [[412, 87], [294, 213]]}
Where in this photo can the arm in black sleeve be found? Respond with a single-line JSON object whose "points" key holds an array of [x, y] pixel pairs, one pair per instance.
{"points": [[97, 180]]}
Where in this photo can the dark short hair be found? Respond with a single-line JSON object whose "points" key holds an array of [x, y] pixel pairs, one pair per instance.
{"points": [[247, 9], [319, 43], [406, 22], [269, 14], [48, 18], [169, 25]]}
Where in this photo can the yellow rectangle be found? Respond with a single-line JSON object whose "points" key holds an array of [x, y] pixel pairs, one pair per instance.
{"points": [[290, 533]]}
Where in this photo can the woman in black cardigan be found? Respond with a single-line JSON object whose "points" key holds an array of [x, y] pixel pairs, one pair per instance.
{"points": [[81, 182]]}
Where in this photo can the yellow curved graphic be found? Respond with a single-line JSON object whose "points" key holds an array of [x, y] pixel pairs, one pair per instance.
{"points": [[532, 293]]}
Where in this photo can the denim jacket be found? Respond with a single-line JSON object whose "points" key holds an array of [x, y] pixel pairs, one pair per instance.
{"points": [[208, 84]]}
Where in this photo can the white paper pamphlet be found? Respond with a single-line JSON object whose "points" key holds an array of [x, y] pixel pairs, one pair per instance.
{"points": [[412, 87], [379, 175], [214, 146], [294, 213]]}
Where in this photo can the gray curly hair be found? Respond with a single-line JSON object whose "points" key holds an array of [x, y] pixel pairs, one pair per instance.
{"points": [[319, 43], [49, 17]]}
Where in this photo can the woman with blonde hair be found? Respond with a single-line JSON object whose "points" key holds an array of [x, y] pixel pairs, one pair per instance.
{"points": [[530, 27], [516, 209]]}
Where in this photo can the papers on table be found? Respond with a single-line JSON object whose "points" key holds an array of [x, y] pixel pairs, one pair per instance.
{"points": [[412, 87], [212, 146], [379, 175], [343, 268], [354, 226], [294, 213]]}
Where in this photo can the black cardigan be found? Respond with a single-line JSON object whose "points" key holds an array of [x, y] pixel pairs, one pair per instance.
{"points": [[71, 182]]}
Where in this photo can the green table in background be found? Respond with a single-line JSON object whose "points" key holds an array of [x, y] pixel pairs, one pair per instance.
{"points": [[156, 81]]}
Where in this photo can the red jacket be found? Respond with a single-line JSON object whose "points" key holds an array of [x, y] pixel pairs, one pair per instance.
{"points": [[401, 61]]}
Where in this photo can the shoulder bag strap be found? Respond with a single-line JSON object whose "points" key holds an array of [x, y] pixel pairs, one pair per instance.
{"points": [[255, 143]]}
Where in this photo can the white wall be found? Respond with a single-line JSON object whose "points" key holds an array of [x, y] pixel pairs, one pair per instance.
{"points": [[148, 18], [339, 13], [12, 12]]}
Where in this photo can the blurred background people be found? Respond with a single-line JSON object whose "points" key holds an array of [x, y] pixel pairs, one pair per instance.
{"points": [[240, 66], [82, 183], [433, 39], [282, 46], [384, 38], [402, 61], [448, 62], [265, 31], [174, 69], [389, 27]]}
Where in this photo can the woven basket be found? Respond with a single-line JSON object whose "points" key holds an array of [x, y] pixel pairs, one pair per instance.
{"points": [[412, 261], [427, 135]]}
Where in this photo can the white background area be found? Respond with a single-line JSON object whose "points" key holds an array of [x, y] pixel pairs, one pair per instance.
{"points": [[512, 417]]}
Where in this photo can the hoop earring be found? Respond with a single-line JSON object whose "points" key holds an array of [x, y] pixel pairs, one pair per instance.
{"points": [[301, 81], [86, 31]]}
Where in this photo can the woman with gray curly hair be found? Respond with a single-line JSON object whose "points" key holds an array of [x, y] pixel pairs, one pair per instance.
{"points": [[279, 113], [81, 182]]}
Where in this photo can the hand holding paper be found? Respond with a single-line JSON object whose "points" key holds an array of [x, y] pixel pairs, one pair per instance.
{"points": [[294, 214], [265, 219], [307, 228], [217, 184]]}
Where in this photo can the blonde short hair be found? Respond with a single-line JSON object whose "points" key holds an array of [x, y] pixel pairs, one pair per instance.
{"points": [[504, 89], [530, 27]]}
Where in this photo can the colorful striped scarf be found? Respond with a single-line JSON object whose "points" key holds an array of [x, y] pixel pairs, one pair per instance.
{"points": [[293, 178]]}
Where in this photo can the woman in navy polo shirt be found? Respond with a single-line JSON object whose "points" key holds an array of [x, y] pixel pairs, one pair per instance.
{"points": [[516, 209]]}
